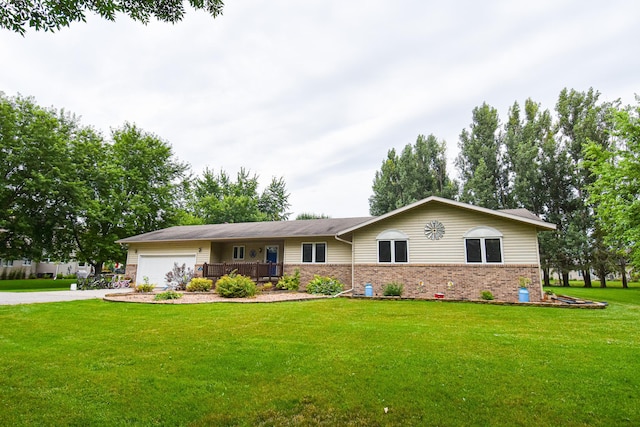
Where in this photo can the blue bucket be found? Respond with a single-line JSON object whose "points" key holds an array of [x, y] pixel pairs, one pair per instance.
{"points": [[368, 290], [523, 295]]}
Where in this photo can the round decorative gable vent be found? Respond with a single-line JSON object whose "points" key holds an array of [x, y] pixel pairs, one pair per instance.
{"points": [[434, 230]]}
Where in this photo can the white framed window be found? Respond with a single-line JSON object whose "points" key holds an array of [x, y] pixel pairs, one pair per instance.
{"points": [[314, 252], [26, 262], [7, 263], [393, 247], [238, 252], [483, 245]]}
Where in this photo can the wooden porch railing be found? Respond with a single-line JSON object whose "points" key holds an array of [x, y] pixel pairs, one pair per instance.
{"points": [[257, 271]]}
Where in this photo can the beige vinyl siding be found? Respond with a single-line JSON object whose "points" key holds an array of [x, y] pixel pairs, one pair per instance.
{"points": [[225, 253], [337, 252], [200, 249], [519, 241]]}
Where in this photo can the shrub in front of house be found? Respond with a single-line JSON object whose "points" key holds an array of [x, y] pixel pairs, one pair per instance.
{"points": [[179, 276], [167, 295], [324, 285], [393, 289], [288, 282], [486, 295], [145, 287], [236, 286], [199, 284]]}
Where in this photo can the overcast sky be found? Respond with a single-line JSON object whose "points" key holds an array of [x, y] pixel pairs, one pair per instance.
{"points": [[317, 91]]}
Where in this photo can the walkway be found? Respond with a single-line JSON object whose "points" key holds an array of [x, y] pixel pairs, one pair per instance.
{"points": [[13, 298]]}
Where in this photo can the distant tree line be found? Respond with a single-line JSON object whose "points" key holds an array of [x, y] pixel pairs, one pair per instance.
{"points": [[67, 191], [577, 167]]}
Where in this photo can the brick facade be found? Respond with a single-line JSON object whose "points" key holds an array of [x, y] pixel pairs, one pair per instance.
{"points": [[131, 270], [455, 281], [342, 272]]}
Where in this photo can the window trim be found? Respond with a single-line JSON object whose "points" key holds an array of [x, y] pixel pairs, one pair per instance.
{"points": [[392, 236], [482, 234], [314, 252], [6, 263], [238, 252]]}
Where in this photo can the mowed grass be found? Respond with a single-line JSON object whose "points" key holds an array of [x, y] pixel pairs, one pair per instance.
{"points": [[321, 362], [35, 285]]}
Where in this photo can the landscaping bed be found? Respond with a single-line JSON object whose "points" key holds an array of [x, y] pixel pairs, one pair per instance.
{"points": [[210, 297]]}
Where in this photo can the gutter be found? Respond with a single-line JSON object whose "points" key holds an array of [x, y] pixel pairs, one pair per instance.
{"points": [[352, 267]]}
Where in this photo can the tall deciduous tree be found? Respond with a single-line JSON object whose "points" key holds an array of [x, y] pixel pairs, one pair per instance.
{"points": [[524, 138], [582, 119], [419, 172], [616, 188], [274, 200], [131, 186], [52, 15], [483, 177], [36, 188], [216, 199]]}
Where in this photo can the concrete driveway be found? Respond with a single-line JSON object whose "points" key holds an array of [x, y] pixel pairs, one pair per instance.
{"points": [[12, 298]]}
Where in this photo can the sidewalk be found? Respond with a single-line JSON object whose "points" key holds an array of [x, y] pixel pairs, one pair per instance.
{"points": [[13, 298]]}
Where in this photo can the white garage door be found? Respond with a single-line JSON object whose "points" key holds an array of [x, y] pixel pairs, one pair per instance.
{"points": [[156, 267]]}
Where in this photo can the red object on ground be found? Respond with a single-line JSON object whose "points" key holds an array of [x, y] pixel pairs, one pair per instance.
{"points": [[438, 296]]}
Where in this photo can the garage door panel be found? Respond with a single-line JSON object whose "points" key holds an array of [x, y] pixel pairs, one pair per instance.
{"points": [[155, 267]]}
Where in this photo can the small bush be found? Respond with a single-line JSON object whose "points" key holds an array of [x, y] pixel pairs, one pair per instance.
{"points": [[393, 289], [167, 295], [236, 286], [145, 287], [199, 284], [486, 295], [288, 282], [267, 286], [179, 276], [324, 285]]}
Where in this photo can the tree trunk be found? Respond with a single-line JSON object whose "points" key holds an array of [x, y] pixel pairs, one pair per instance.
{"points": [[545, 277], [603, 278], [623, 272], [587, 278], [97, 268], [565, 279]]}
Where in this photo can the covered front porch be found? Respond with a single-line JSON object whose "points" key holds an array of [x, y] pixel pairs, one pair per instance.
{"points": [[261, 272]]}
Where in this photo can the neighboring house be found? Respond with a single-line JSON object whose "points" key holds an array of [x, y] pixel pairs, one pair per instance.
{"points": [[432, 246], [44, 268]]}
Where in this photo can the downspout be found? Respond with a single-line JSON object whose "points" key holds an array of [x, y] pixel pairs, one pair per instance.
{"points": [[352, 267]]}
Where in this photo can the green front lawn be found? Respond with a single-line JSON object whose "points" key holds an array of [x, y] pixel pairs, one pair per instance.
{"points": [[321, 362], [35, 285]]}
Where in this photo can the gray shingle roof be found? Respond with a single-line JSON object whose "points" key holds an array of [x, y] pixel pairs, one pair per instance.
{"points": [[249, 230], [523, 213]]}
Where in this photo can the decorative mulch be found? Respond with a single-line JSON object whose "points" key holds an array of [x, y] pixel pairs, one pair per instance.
{"points": [[210, 297]]}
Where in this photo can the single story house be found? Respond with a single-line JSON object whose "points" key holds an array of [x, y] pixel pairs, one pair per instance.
{"points": [[432, 246]]}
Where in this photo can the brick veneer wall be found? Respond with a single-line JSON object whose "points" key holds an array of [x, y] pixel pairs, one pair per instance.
{"points": [[341, 272], [131, 270], [467, 281]]}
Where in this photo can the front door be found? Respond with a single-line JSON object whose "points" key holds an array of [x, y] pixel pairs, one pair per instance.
{"points": [[271, 255]]}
